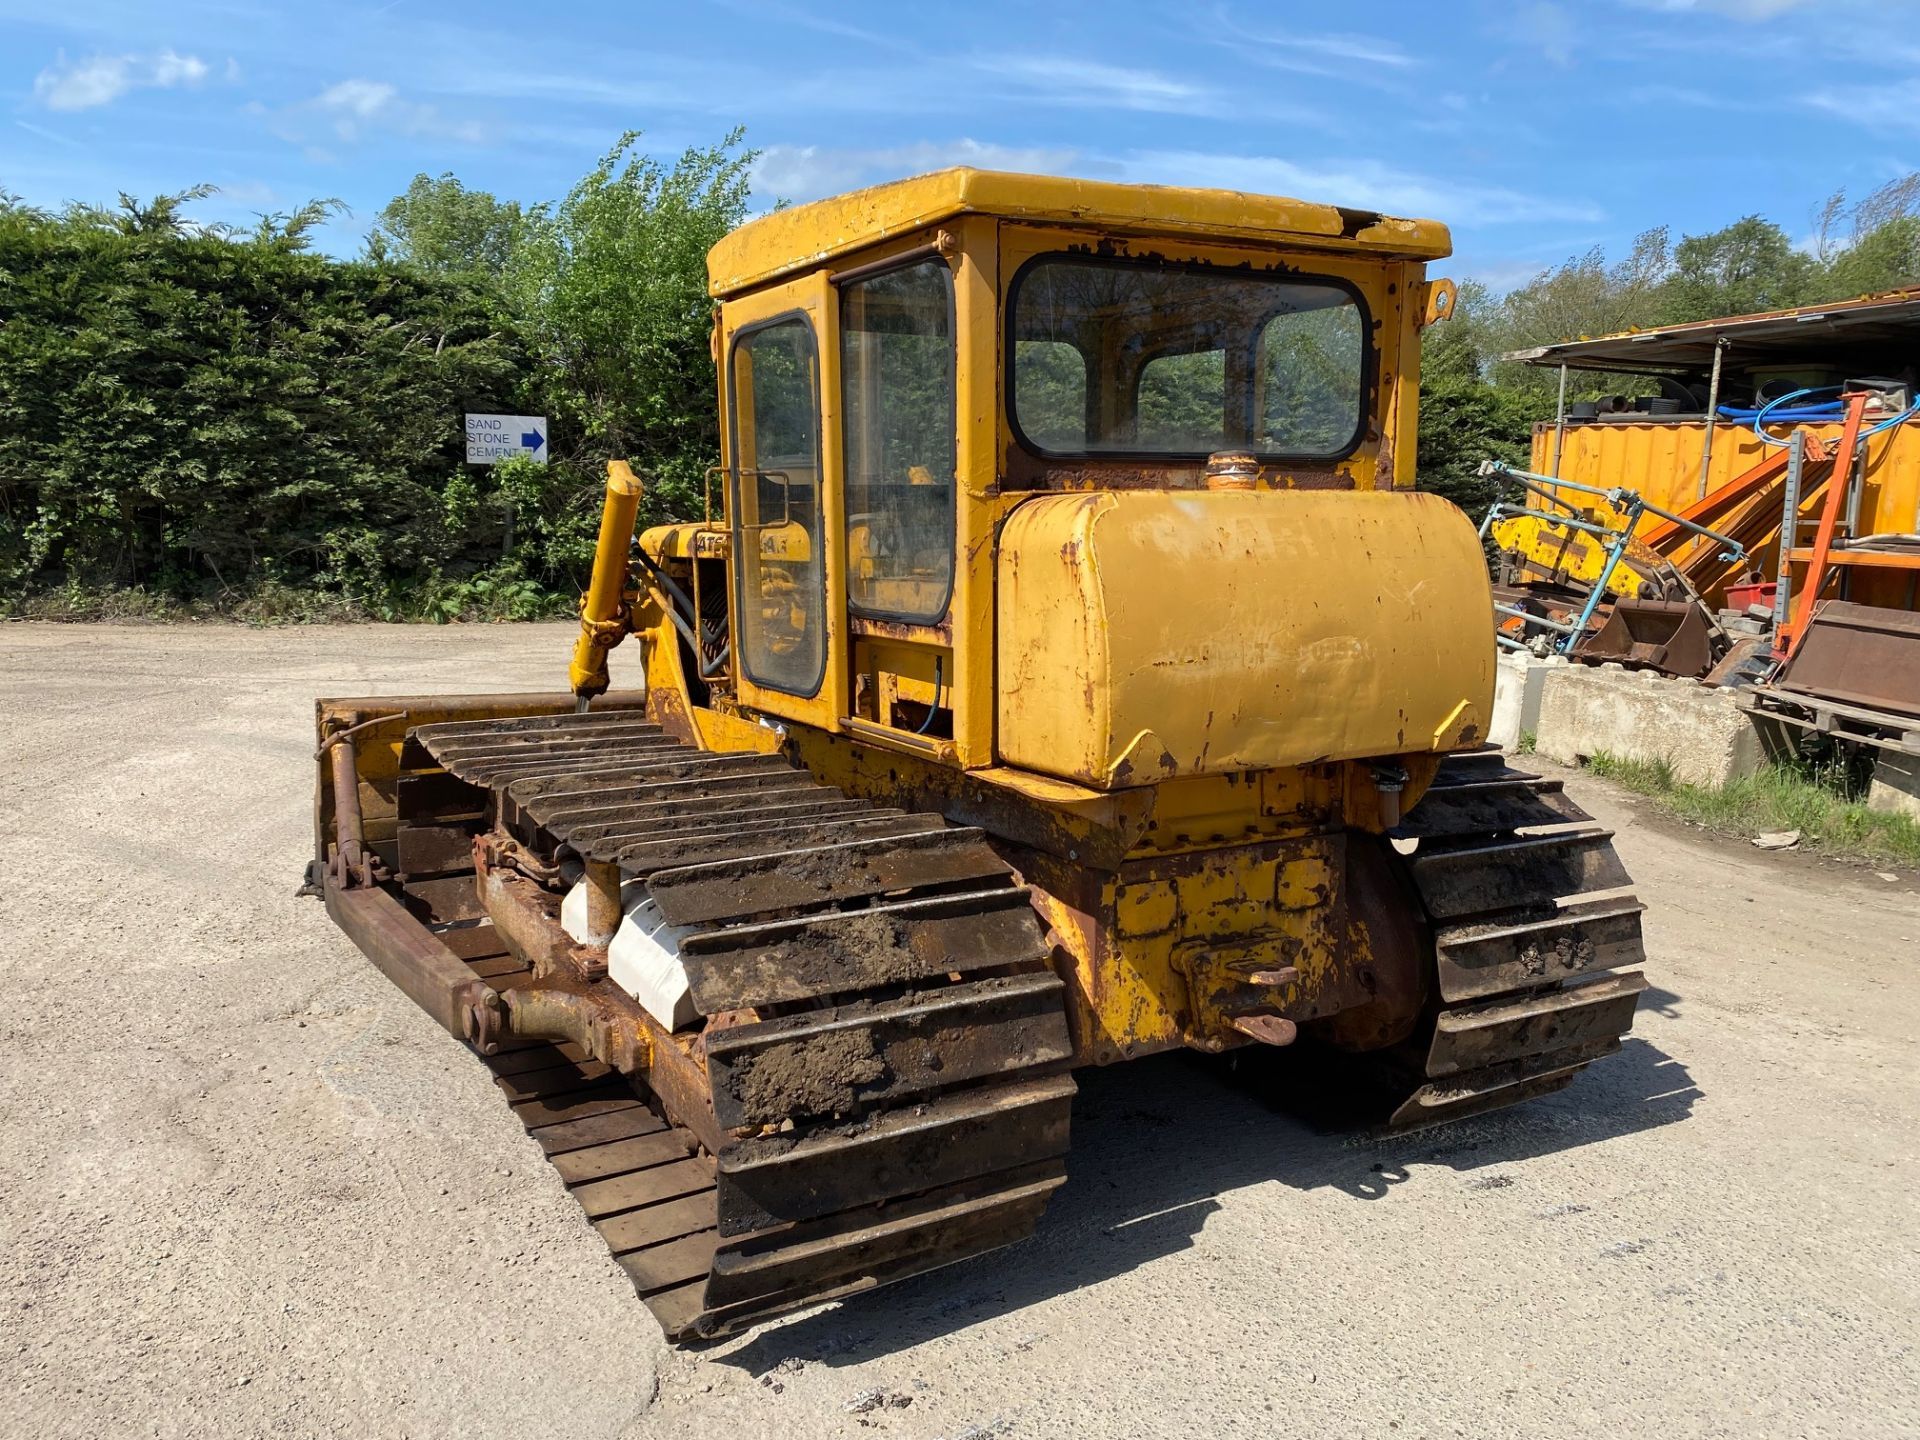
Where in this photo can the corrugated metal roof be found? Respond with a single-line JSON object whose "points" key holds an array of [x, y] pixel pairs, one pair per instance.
{"points": [[1807, 332]]}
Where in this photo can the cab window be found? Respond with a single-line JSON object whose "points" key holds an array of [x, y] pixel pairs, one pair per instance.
{"points": [[779, 570], [1149, 359], [897, 382]]}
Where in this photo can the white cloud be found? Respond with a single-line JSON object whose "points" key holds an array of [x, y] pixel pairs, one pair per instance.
{"points": [[1308, 53], [357, 99], [1548, 28], [806, 172], [1365, 184], [353, 109], [1361, 49], [43, 133], [824, 24], [1886, 109], [101, 79], [1648, 95], [1738, 9], [1060, 79]]}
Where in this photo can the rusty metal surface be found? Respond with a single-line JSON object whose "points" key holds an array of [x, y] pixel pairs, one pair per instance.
{"points": [[1474, 1036], [791, 882], [1670, 636], [879, 1086], [1488, 808], [350, 865], [804, 837], [844, 1131], [430, 974], [1479, 961], [1493, 872], [777, 1180], [875, 1051], [910, 940], [1859, 655], [890, 1242]]}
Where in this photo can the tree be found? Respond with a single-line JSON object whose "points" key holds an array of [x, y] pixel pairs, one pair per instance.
{"points": [[1885, 258], [611, 284], [1464, 417], [189, 411], [1747, 266], [443, 228], [1582, 297], [1871, 244], [294, 230]]}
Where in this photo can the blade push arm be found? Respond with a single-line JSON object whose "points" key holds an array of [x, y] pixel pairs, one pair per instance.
{"points": [[602, 624]]}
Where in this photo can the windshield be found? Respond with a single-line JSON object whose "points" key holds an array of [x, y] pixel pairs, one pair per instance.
{"points": [[1119, 357]]}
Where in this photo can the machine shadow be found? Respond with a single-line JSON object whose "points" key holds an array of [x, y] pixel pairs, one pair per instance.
{"points": [[1156, 1142]]}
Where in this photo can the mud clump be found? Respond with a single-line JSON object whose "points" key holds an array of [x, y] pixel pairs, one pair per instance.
{"points": [[848, 954], [823, 1076]]}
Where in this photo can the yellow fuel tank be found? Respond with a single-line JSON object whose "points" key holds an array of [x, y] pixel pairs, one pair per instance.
{"points": [[1147, 635]]}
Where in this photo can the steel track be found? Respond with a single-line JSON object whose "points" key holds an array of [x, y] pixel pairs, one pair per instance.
{"points": [[1531, 926], [885, 1046]]}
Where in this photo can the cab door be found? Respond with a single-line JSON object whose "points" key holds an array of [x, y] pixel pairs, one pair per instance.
{"points": [[778, 377]]}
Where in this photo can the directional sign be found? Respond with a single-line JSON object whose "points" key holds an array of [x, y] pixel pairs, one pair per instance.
{"points": [[493, 438]]}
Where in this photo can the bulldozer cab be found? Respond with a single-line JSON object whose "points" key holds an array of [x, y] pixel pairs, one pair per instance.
{"points": [[903, 369]]}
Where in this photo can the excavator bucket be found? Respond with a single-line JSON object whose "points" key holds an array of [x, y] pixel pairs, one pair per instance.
{"points": [[1671, 636]]}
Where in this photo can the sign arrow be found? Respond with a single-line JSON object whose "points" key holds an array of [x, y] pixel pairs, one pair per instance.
{"points": [[532, 439]]}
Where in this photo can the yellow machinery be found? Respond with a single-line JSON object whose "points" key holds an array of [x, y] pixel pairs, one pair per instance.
{"points": [[1068, 671]]}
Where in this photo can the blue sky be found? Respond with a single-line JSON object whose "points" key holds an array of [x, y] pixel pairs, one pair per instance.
{"points": [[1536, 129]]}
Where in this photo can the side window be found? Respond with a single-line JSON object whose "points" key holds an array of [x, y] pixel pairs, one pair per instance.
{"points": [[896, 378], [1181, 401], [779, 565], [1312, 369], [1050, 393]]}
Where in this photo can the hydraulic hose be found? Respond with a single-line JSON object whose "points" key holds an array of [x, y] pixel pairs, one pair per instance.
{"points": [[934, 709]]}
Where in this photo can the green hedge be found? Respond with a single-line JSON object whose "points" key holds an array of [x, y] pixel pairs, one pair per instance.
{"points": [[198, 418], [193, 414]]}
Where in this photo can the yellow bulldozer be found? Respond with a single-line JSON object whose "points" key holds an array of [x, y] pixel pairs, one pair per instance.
{"points": [[1067, 670]]}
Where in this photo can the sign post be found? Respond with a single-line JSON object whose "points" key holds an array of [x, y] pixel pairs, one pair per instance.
{"points": [[493, 438]]}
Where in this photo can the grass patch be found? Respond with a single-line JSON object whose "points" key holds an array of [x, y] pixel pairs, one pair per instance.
{"points": [[1525, 744], [499, 594], [1820, 800]]}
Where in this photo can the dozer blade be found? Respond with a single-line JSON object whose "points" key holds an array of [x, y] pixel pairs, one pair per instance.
{"points": [[884, 1063]]}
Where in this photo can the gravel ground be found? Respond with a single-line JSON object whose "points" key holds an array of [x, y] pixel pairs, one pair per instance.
{"points": [[246, 1188]]}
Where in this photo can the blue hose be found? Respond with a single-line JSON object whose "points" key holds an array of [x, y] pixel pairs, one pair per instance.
{"points": [[1804, 412], [1825, 410], [934, 709]]}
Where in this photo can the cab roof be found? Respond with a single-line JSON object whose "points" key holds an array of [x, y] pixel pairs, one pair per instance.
{"points": [[806, 236]]}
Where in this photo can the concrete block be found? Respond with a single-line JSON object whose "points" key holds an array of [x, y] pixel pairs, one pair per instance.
{"points": [[1587, 710], [1518, 680], [1896, 784]]}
